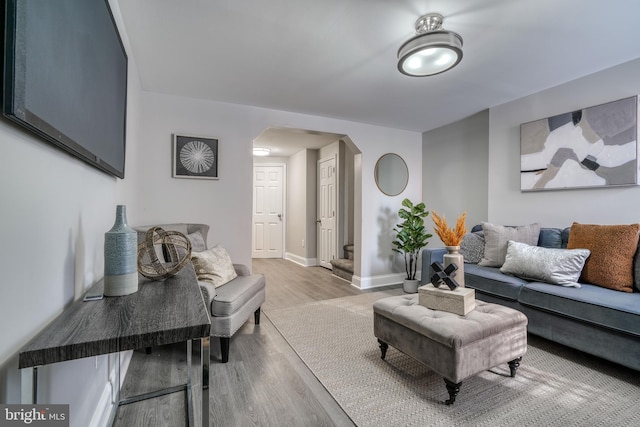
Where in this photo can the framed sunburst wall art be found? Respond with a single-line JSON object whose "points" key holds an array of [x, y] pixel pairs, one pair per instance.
{"points": [[195, 157], [588, 148]]}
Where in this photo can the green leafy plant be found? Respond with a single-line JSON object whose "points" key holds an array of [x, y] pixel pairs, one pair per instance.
{"points": [[411, 235]]}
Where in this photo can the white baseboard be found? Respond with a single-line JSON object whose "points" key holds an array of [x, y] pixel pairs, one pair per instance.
{"points": [[305, 262], [105, 404], [377, 281]]}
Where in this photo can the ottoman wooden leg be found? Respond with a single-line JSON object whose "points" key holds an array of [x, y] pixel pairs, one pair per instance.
{"points": [[383, 348], [453, 389], [514, 365]]}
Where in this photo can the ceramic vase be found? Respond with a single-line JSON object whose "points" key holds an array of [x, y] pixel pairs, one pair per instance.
{"points": [[453, 256], [120, 257]]}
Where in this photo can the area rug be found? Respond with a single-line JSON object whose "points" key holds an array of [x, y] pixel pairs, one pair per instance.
{"points": [[555, 386]]}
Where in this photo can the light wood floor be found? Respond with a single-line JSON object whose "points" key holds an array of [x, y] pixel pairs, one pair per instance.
{"points": [[264, 383]]}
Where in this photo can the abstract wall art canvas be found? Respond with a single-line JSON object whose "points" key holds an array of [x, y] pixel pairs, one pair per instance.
{"points": [[592, 147]]}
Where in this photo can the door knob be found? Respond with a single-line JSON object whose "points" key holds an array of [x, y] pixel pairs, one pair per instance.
{"points": [[319, 221]]}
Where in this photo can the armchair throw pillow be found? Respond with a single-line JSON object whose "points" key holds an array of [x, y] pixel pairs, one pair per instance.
{"points": [[197, 242], [214, 266]]}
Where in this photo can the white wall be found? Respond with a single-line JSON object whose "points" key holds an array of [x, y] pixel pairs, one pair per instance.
{"points": [[225, 204], [507, 205], [311, 209], [55, 211], [297, 212], [455, 171]]}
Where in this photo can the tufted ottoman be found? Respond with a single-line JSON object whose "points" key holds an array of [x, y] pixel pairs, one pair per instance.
{"points": [[454, 346]]}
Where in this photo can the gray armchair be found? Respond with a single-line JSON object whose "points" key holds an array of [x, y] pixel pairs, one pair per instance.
{"points": [[231, 304]]}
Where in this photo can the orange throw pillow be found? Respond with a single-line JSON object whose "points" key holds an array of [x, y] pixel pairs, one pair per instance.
{"points": [[612, 247]]}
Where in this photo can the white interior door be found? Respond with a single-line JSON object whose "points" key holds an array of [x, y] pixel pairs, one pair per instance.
{"points": [[327, 202], [268, 192]]}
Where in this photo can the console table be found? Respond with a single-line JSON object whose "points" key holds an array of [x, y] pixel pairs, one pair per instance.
{"points": [[159, 313]]}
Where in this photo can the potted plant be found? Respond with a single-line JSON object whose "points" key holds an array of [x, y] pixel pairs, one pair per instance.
{"points": [[410, 239]]}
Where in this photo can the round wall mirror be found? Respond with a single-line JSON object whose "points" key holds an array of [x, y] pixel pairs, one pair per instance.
{"points": [[391, 174]]}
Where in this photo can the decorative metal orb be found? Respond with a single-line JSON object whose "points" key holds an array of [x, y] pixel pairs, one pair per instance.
{"points": [[175, 253]]}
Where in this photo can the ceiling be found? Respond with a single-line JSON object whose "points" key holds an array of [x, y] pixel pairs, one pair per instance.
{"points": [[337, 58], [284, 142]]}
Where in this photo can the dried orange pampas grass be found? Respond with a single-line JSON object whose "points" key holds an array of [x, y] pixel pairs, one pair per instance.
{"points": [[450, 237]]}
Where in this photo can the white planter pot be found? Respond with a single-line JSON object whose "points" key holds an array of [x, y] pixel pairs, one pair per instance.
{"points": [[410, 286]]}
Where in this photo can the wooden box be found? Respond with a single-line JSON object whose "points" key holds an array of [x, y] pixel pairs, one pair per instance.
{"points": [[459, 301]]}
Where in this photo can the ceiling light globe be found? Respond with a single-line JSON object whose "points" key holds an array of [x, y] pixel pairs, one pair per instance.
{"points": [[430, 53], [260, 151]]}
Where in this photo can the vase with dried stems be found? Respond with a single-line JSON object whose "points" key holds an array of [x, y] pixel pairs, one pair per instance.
{"points": [[451, 237]]}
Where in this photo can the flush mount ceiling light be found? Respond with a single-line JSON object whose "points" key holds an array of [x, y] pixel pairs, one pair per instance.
{"points": [[432, 50], [259, 151]]}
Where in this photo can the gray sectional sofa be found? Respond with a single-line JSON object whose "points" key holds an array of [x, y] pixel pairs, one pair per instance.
{"points": [[596, 320]]}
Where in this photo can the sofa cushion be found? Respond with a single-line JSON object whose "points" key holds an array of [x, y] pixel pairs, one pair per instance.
{"points": [[612, 253], [550, 238], [214, 266], [472, 247], [233, 295], [636, 268], [197, 242], [590, 303], [550, 265], [490, 280], [497, 236]]}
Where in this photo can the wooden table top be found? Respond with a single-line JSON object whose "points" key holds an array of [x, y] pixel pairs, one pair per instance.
{"points": [[159, 313]]}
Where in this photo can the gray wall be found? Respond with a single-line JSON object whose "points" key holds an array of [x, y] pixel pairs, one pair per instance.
{"points": [[455, 162], [507, 205], [484, 153], [311, 227], [301, 205]]}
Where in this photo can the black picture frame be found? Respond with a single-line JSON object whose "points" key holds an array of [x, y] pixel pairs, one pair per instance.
{"points": [[55, 85], [195, 157]]}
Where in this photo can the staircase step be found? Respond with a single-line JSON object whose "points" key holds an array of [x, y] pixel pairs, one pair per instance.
{"points": [[348, 251], [342, 268]]}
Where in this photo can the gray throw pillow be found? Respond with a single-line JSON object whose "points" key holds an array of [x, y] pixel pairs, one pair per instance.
{"points": [[472, 247], [497, 236], [550, 265], [197, 242]]}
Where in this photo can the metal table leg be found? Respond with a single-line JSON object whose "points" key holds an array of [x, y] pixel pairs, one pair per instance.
{"points": [[29, 388]]}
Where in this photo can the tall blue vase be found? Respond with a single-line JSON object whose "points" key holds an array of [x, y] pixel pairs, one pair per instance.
{"points": [[120, 257]]}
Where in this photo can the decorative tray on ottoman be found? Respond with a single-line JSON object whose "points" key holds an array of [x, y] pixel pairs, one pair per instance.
{"points": [[459, 301]]}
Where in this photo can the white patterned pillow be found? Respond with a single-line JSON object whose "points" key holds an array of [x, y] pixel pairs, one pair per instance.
{"points": [[472, 247], [556, 266], [497, 236], [214, 266]]}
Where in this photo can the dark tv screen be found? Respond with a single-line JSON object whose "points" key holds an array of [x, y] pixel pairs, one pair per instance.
{"points": [[65, 77]]}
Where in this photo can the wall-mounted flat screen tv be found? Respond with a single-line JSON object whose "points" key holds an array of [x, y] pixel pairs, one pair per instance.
{"points": [[65, 77]]}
